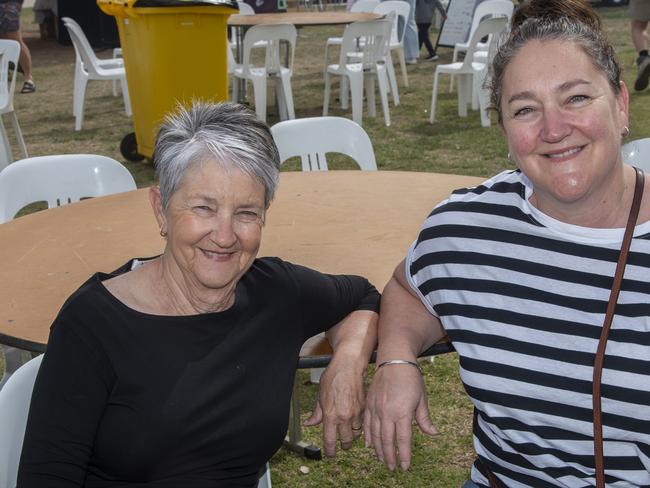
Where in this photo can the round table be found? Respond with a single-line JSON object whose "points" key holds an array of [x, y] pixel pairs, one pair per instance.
{"points": [[359, 222]]}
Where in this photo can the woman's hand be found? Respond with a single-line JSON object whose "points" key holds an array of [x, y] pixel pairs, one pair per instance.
{"points": [[397, 394], [340, 401], [339, 405], [396, 397]]}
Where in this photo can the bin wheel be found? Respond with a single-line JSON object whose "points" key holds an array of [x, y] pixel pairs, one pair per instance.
{"points": [[129, 148]]}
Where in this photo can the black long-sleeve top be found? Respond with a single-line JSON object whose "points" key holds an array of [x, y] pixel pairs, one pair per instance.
{"points": [[126, 399]]}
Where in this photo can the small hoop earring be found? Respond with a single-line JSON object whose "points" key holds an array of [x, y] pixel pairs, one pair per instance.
{"points": [[626, 132], [163, 233]]}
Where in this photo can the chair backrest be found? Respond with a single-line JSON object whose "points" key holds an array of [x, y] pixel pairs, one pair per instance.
{"points": [[402, 10], [273, 34], [312, 138], [245, 9], [59, 180], [9, 52], [85, 54], [490, 8], [15, 397], [637, 153], [375, 36], [490, 28], [364, 6]]}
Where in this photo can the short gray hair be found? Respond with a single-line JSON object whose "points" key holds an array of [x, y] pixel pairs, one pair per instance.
{"points": [[227, 133], [556, 20]]}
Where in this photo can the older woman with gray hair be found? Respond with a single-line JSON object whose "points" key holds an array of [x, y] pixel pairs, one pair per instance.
{"points": [[177, 371]]}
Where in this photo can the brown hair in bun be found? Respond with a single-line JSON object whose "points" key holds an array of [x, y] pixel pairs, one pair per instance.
{"points": [[572, 21]]}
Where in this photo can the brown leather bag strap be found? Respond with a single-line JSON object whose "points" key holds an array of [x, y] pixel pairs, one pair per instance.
{"points": [[609, 316]]}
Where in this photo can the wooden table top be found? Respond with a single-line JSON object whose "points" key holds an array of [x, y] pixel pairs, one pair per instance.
{"points": [[300, 19], [356, 222]]}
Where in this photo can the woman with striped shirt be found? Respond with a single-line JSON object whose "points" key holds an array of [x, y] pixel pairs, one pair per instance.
{"points": [[518, 272]]}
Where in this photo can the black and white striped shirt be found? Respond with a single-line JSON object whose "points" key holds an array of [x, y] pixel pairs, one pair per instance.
{"points": [[523, 298]]}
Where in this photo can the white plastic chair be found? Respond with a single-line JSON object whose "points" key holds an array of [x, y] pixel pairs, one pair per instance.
{"points": [[359, 6], [274, 34], [90, 67], [312, 138], [361, 70], [402, 10], [637, 153], [59, 180], [265, 479], [245, 9], [468, 68], [9, 52], [15, 399], [489, 9]]}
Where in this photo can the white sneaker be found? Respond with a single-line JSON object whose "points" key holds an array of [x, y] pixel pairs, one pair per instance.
{"points": [[412, 61]]}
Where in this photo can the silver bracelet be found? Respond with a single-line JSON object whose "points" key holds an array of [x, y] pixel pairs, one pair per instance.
{"points": [[401, 361]]}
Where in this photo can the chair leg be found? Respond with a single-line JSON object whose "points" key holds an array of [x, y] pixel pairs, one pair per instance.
{"points": [[393, 80], [382, 82], [476, 86], [259, 93], [80, 96], [80, 79], [451, 79], [402, 62], [369, 88], [280, 101], [464, 87], [125, 96], [19, 134], [356, 90], [344, 93], [6, 157], [484, 103], [285, 79], [434, 98], [326, 96], [235, 89]]}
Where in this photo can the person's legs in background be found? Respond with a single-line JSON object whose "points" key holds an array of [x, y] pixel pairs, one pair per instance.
{"points": [[423, 38], [411, 51], [10, 29], [25, 60], [640, 15]]}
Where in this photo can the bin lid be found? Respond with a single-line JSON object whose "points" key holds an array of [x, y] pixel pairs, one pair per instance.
{"points": [[184, 3]]}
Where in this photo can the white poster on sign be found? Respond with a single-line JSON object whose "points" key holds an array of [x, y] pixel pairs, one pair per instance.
{"points": [[459, 21]]}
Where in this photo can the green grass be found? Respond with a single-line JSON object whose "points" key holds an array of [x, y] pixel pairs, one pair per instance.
{"points": [[452, 145]]}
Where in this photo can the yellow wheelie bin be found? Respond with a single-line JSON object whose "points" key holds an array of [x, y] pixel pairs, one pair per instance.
{"points": [[174, 52]]}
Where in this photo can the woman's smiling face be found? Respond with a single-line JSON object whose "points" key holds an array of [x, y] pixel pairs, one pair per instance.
{"points": [[562, 120], [214, 225]]}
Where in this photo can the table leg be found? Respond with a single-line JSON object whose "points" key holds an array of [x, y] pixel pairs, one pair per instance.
{"points": [[294, 440]]}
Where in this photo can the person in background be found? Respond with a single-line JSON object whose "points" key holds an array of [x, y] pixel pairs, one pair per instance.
{"points": [[10, 29], [178, 370], [640, 15], [424, 11], [518, 273], [411, 50]]}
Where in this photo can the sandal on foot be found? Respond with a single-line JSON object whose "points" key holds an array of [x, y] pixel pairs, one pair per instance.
{"points": [[28, 87]]}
